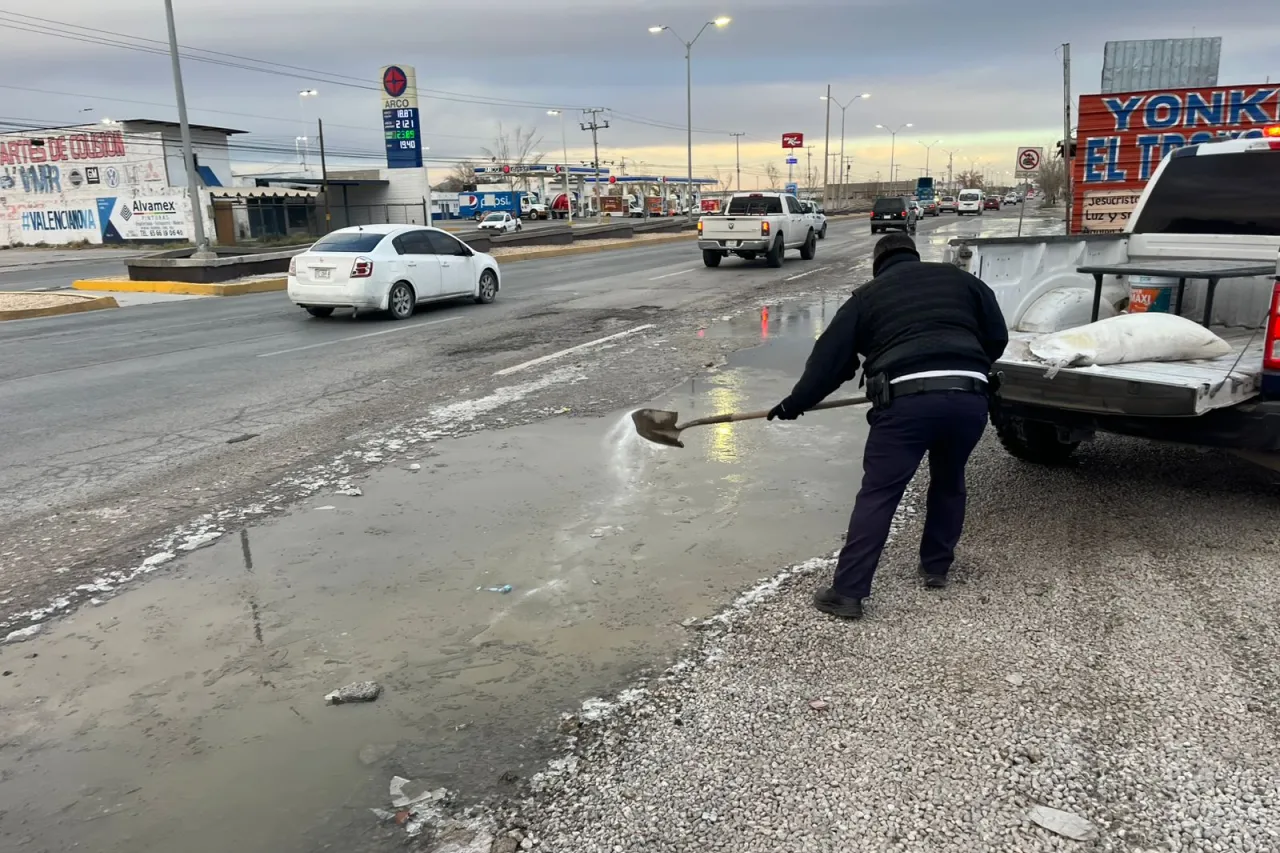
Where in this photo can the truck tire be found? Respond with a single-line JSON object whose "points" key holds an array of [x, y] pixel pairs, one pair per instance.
{"points": [[1034, 441], [774, 256], [711, 257], [810, 248]]}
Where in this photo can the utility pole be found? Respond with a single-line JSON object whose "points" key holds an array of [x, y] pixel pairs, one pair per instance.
{"points": [[595, 126], [808, 169], [324, 175], [826, 147], [1066, 133], [737, 160], [188, 158]]}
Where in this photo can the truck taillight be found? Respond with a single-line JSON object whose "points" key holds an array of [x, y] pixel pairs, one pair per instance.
{"points": [[764, 228], [362, 268], [1271, 346], [699, 227]]}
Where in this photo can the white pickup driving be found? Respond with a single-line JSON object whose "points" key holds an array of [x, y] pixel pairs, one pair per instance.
{"points": [[755, 224], [1204, 237]]}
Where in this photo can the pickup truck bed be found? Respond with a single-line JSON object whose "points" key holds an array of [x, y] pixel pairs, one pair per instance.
{"points": [[1144, 388]]}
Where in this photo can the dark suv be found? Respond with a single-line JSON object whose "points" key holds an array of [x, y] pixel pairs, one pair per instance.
{"points": [[893, 212]]}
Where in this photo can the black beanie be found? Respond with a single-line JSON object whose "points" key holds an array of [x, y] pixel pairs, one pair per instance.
{"points": [[891, 244]]}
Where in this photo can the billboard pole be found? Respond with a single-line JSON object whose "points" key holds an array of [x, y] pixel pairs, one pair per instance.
{"points": [[1066, 136]]}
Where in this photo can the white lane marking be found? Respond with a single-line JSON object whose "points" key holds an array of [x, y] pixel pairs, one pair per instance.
{"points": [[803, 274], [668, 275], [506, 371], [358, 337]]}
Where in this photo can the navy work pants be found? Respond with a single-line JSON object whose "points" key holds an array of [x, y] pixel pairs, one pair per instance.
{"points": [[945, 424]]}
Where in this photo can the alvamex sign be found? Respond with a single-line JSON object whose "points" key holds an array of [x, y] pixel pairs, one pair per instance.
{"points": [[1123, 137], [154, 207]]}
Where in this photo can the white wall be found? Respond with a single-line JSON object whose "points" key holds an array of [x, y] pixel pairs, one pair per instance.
{"points": [[210, 148]]}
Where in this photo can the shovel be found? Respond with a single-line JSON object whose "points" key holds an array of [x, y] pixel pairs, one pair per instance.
{"points": [[661, 428]]}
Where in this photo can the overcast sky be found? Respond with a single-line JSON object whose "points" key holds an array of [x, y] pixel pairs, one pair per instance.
{"points": [[984, 76]]}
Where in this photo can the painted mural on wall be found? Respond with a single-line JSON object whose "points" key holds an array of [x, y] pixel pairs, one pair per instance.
{"points": [[88, 185]]}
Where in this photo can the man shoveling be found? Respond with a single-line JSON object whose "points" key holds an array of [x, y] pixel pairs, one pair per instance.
{"points": [[927, 335]]}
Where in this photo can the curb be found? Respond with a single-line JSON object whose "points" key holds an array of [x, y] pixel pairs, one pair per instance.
{"points": [[77, 307], [587, 250], [187, 288]]}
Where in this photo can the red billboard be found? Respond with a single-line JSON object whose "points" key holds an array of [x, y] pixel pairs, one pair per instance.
{"points": [[793, 140], [1122, 138]]}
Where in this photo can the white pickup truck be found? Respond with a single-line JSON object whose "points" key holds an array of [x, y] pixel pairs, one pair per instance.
{"points": [[755, 224], [1207, 229]]}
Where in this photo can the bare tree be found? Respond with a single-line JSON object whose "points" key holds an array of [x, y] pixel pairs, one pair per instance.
{"points": [[1052, 179], [515, 148], [462, 178], [773, 175], [970, 180]]}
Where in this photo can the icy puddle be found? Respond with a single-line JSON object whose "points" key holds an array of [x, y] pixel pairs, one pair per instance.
{"points": [[188, 714]]}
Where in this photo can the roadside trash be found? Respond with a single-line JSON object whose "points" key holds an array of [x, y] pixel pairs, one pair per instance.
{"points": [[1062, 823], [360, 691], [415, 467], [1014, 678], [819, 704], [402, 800], [504, 589]]}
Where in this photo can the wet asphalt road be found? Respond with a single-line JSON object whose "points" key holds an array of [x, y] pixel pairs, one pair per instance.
{"points": [[209, 679]]}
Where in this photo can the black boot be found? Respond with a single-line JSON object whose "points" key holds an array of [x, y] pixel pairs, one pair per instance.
{"points": [[829, 601], [933, 581]]}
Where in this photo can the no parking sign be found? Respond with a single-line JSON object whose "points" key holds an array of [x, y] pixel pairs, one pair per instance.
{"points": [[1028, 162]]}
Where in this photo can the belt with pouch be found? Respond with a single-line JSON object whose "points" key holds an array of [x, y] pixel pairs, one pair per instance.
{"points": [[925, 385]]}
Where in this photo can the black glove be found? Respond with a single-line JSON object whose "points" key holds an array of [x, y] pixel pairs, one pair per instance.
{"points": [[783, 412]]}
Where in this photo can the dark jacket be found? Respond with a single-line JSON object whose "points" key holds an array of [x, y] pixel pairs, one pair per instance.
{"points": [[912, 317]]}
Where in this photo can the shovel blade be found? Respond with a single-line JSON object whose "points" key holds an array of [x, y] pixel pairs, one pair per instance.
{"points": [[657, 426]]}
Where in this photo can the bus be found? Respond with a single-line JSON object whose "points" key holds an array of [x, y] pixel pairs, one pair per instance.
{"points": [[924, 189]]}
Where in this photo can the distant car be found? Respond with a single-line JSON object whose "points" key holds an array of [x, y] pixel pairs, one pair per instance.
{"points": [[915, 205], [818, 216], [390, 268], [991, 202], [1011, 198], [898, 212], [947, 204], [970, 201], [502, 222], [929, 207]]}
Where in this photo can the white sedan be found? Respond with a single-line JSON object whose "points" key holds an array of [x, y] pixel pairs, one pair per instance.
{"points": [[389, 268], [501, 222]]}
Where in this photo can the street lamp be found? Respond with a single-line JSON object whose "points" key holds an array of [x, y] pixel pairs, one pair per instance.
{"points": [[951, 178], [564, 143], [719, 23], [893, 146], [928, 149], [843, 107], [303, 94]]}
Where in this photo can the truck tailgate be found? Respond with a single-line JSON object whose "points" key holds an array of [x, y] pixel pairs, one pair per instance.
{"points": [[1144, 388], [731, 227]]}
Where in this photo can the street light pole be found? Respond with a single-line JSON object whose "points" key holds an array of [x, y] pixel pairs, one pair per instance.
{"points": [[841, 168], [826, 150], [564, 144], [188, 157], [893, 147], [688, 80], [928, 149], [303, 94]]}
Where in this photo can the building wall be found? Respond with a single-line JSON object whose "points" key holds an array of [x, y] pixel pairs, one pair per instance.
{"points": [[89, 184], [210, 148]]}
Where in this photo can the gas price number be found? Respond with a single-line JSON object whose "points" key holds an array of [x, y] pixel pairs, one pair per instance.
{"points": [[400, 128]]}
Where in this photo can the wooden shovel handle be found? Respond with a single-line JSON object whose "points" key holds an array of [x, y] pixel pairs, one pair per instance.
{"points": [[734, 417]]}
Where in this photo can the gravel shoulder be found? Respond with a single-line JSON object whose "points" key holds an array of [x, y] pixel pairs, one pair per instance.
{"points": [[1108, 649]]}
